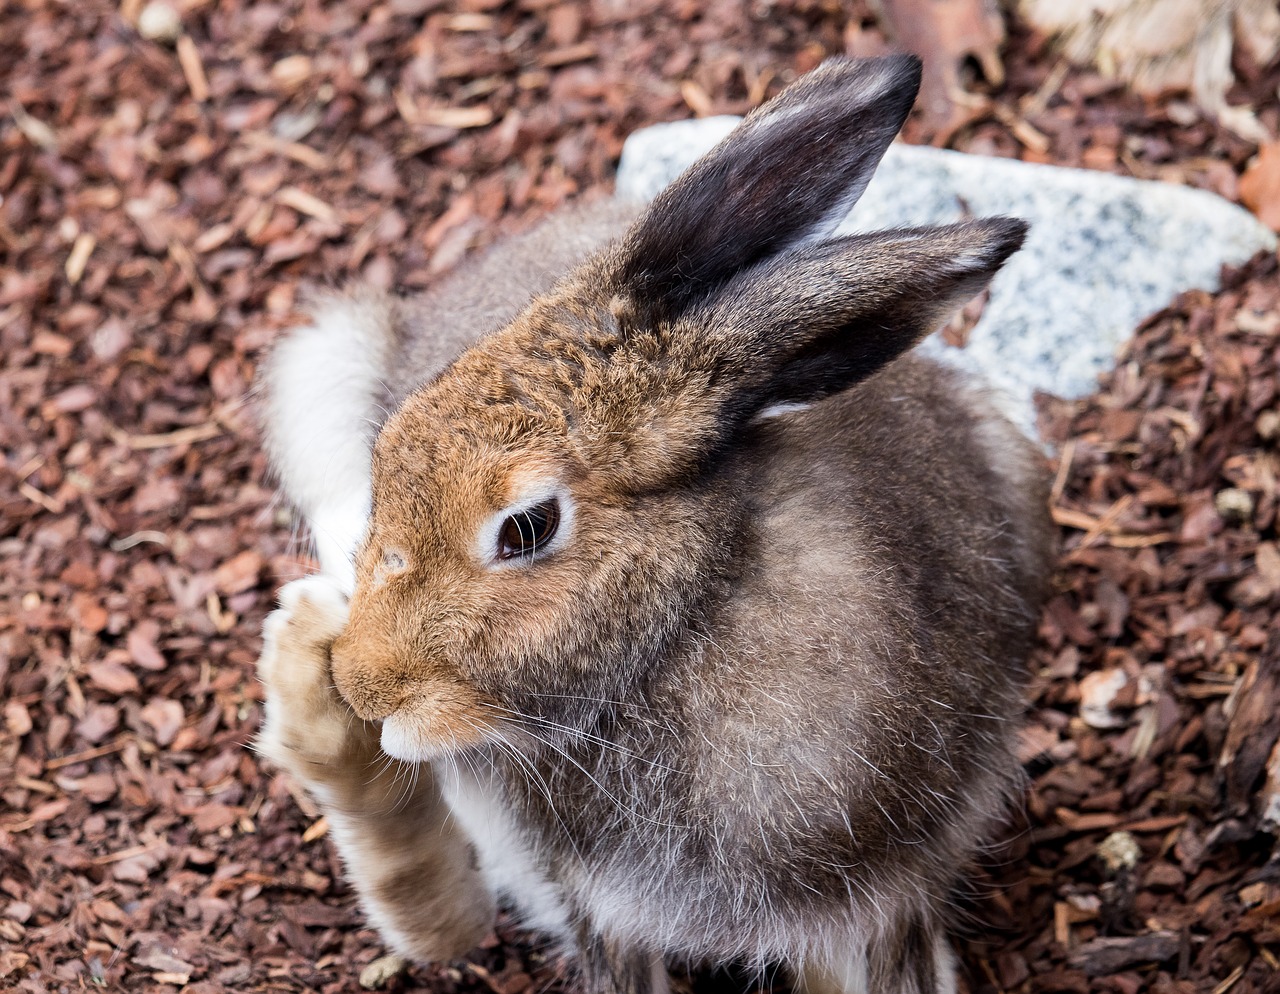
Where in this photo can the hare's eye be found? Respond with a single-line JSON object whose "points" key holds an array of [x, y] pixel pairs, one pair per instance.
{"points": [[526, 531]]}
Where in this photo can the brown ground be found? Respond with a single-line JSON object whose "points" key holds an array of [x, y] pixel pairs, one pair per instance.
{"points": [[160, 209]]}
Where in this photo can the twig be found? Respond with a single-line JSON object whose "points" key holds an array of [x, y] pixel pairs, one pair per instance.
{"points": [[182, 436], [79, 257], [88, 754], [297, 151], [50, 504], [123, 854], [37, 132], [1230, 982], [1065, 459], [1039, 100], [137, 538], [307, 203], [193, 69]]}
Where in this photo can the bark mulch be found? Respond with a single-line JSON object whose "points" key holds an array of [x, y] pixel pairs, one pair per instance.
{"points": [[162, 203]]}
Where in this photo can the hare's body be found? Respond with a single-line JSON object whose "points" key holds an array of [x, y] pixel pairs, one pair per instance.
{"points": [[752, 700]]}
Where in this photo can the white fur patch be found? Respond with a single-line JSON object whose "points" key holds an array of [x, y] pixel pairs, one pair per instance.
{"points": [[506, 860], [323, 411], [778, 410], [402, 740], [843, 974], [944, 961], [338, 530]]}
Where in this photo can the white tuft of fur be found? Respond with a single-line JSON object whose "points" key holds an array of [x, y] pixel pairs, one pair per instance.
{"points": [[507, 862], [845, 973], [944, 960], [779, 410], [324, 385], [402, 738]]}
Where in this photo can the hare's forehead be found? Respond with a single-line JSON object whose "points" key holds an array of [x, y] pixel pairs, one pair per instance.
{"points": [[465, 467], [501, 407]]}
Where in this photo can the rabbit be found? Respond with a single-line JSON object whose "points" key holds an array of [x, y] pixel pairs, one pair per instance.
{"points": [[695, 604]]}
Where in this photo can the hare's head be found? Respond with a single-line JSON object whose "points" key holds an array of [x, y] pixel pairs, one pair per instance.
{"points": [[545, 517]]}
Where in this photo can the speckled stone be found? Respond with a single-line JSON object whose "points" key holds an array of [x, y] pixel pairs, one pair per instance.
{"points": [[1103, 251]]}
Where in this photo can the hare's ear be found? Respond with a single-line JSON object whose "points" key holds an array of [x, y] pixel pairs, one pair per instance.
{"points": [[791, 329], [789, 173], [822, 317]]}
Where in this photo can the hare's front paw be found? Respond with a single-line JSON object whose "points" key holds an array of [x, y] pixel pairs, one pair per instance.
{"points": [[306, 720]]}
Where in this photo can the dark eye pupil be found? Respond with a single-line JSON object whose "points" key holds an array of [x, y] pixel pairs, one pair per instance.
{"points": [[529, 530]]}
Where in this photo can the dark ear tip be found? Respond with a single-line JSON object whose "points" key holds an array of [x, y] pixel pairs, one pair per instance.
{"points": [[897, 73], [896, 64], [1001, 237], [907, 66]]}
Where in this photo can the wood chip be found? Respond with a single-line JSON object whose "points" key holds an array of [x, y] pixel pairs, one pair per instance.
{"points": [[470, 22], [697, 99], [79, 257], [318, 829], [306, 203], [296, 151], [193, 69], [181, 436], [1086, 822], [456, 117], [36, 131], [1102, 957], [291, 72], [88, 754], [569, 54]]}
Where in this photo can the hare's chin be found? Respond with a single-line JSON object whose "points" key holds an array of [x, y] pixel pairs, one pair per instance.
{"points": [[404, 738], [410, 737]]}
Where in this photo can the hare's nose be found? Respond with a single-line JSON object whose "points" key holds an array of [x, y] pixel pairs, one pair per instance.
{"points": [[374, 688]]}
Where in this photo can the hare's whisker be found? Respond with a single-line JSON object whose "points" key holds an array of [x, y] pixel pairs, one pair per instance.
{"points": [[630, 813], [579, 733]]}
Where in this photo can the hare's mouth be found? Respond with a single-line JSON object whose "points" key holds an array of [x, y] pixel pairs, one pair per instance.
{"points": [[431, 726]]}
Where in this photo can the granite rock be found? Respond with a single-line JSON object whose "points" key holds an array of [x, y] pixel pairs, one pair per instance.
{"points": [[1103, 251]]}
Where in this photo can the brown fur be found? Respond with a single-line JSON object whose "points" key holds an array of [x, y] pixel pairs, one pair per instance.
{"points": [[762, 687]]}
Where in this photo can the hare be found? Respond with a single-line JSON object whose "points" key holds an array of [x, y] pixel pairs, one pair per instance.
{"points": [[696, 606]]}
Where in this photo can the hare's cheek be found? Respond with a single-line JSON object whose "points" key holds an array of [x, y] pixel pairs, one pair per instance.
{"points": [[437, 721]]}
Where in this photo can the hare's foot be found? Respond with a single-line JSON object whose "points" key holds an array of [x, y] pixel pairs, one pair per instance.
{"points": [[413, 868], [919, 962], [309, 730]]}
